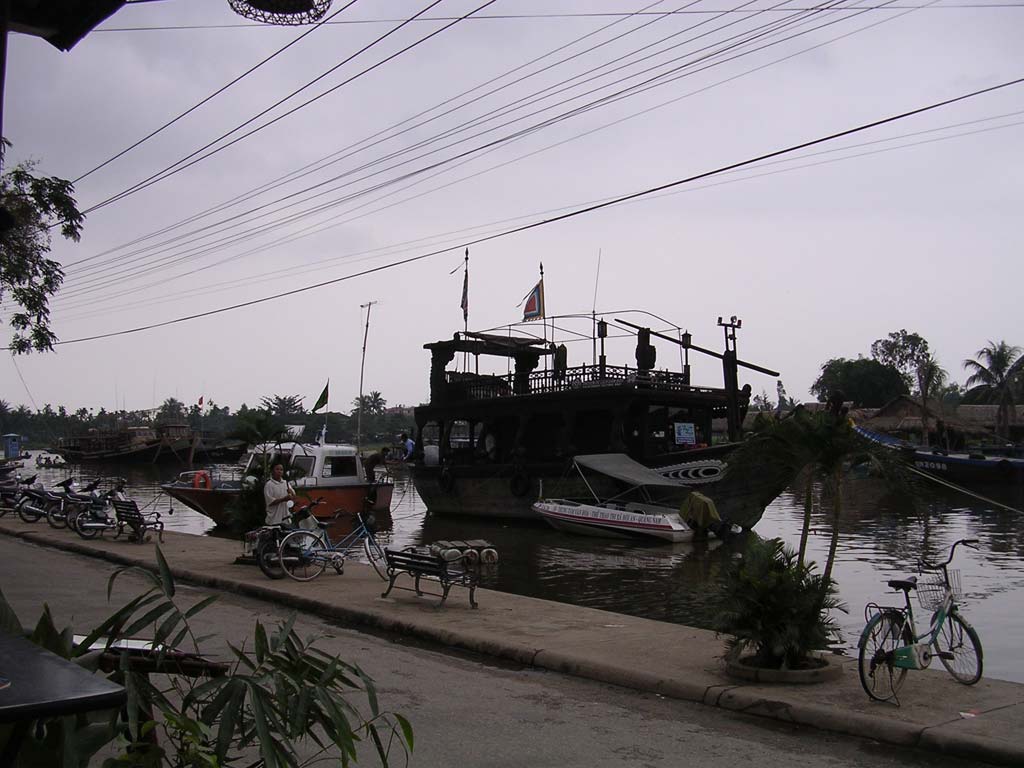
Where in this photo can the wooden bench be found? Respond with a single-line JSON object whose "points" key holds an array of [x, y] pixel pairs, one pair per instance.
{"points": [[129, 516], [432, 567]]}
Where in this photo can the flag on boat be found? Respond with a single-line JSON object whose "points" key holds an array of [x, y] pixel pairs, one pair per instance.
{"points": [[200, 401], [465, 296], [533, 309], [322, 400]]}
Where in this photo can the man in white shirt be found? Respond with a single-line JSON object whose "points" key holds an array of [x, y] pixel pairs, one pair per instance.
{"points": [[276, 494], [409, 444]]}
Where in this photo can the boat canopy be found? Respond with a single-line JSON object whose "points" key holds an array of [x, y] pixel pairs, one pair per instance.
{"points": [[621, 467]]}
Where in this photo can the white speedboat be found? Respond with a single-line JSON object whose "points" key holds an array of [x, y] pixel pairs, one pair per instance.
{"points": [[619, 517]]}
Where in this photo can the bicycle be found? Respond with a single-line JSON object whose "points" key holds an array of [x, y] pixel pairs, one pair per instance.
{"points": [[266, 540], [304, 554], [889, 646]]}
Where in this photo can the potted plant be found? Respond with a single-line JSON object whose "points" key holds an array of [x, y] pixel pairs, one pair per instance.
{"points": [[776, 612]]}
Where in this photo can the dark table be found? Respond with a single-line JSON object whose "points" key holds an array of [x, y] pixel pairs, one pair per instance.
{"points": [[42, 685]]}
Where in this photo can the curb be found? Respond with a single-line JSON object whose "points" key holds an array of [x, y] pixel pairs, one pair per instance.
{"points": [[734, 697]]}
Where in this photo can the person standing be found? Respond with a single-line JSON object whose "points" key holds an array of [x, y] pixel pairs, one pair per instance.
{"points": [[409, 445], [277, 492]]}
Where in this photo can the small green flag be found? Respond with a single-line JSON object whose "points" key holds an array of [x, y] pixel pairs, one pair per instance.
{"points": [[322, 400]]}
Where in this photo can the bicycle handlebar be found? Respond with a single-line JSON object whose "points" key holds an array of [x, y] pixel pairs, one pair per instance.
{"points": [[971, 543]]}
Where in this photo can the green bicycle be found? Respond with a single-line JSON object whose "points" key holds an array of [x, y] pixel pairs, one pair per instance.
{"points": [[890, 645]]}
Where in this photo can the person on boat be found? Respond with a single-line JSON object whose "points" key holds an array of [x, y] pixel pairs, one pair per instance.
{"points": [[409, 445], [375, 459], [277, 492]]}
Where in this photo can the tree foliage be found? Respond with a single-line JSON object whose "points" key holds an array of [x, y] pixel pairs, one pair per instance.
{"points": [[284, 405], [284, 697], [30, 207], [868, 383], [903, 351], [996, 373]]}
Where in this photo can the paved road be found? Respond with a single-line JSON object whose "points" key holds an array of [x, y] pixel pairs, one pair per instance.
{"points": [[467, 711]]}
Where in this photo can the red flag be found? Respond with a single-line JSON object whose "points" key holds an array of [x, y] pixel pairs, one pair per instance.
{"points": [[534, 307], [200, 401]]}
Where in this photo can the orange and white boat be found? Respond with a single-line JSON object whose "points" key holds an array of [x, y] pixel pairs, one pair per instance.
{"points": [[332, 471]]}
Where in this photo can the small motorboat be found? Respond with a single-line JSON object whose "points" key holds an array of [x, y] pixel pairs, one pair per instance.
{"points": [[620, 517]]}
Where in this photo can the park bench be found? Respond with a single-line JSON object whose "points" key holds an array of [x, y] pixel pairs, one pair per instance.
{"points": [[129, 516], [423, 565]]}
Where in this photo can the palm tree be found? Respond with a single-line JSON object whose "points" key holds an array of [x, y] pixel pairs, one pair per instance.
{"points": [[930, 378], [816, 447], [994, 374]]}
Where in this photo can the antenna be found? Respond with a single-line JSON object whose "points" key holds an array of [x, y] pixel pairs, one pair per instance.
{"points": [[362, 364]]}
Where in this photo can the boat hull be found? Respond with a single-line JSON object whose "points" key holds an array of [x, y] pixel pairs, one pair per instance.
{"points": [[505, 492], [215, 502], [603, 522]]}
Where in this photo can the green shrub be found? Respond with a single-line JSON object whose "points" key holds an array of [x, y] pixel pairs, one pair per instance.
{"points": [[775, 609]]}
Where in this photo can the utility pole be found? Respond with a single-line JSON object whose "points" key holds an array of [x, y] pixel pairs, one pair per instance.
{"points": [[362, 364]]}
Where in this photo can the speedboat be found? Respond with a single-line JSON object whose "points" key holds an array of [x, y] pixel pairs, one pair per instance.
{"points": [[620, 517]]}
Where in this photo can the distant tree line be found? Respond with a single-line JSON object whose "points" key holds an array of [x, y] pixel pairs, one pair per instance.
{"points": [[268, 419], [903, 364]]}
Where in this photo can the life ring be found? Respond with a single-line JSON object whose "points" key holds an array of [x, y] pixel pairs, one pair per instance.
{"points": [[446, 479], [519, 484], [202, 479]]}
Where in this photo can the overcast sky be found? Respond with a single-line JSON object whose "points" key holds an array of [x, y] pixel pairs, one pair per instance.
{"points": [[915, 224]]}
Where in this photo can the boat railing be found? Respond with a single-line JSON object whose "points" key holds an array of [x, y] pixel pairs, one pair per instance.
{"points": [[485, 387]]}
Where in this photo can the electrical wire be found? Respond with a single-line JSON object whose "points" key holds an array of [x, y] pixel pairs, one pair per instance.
{"points": [[428, 168], [213, 95], [189, 160], [569, 215]]}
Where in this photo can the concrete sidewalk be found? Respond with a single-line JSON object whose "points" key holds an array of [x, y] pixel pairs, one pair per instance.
{"points": [[981, 722]]}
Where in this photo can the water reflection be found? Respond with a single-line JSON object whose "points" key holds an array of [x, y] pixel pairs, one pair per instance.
{"points": [[883, 535]]}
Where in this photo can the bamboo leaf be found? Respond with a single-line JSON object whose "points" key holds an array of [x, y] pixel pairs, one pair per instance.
{"points": [[167, 580], [267, 744], [200, 606], [260, 643], [406, 730], [148, 618]]}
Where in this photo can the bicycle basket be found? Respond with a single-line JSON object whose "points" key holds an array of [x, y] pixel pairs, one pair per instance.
{"points": [[932, 592]]}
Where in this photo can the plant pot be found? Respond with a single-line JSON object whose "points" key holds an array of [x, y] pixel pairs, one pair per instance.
{"points": [[742, 669]]}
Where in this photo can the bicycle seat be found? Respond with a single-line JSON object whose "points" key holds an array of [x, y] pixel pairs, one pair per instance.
{"points": [[904, 584]]}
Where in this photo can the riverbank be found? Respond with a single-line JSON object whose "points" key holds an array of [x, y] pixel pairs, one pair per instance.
{"points": [[982, 722]]}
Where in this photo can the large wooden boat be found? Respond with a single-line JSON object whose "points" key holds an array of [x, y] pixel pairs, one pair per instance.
{"points": [[490, 445], [148, 444], [331, 471]]}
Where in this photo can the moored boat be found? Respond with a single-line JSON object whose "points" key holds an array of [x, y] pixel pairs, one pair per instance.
{"points": [[631, 513], [331, 471], [961, 467], [487, 444]]}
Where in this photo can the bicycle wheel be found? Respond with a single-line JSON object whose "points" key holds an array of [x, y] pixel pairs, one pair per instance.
{"points": [[268, 559], [959, 650], [883, 634], [375, 557], [302, 555]]}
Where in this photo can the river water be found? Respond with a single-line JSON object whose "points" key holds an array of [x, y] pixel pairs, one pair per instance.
{"points": [[883, 534]]}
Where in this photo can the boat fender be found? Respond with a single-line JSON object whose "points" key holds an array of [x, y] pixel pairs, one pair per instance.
{"points": [[446, 479], [519, 484], [202, 479]]}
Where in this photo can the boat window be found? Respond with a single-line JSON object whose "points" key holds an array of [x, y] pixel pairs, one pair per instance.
{"points": [[339, 466], [303, 465]]}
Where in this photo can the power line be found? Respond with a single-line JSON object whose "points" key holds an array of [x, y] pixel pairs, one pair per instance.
{"points": [[449, 132], [517, 16], [191, 159], [365, 255], [565, 216], [216, 93]]}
